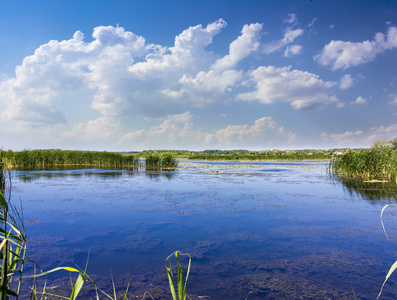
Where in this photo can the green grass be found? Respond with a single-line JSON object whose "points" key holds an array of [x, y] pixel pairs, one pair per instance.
{"points": [[366, 164]]}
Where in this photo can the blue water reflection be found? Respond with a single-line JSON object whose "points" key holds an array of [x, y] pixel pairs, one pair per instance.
{"points": [[280, 229]]}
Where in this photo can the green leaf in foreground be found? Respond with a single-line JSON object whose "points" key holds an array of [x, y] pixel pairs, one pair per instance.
{"points": [[82, 276], [181, 287], [394, 266]]}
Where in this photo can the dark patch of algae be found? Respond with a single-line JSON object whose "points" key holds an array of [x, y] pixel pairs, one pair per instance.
{"points": [[276, 279]]}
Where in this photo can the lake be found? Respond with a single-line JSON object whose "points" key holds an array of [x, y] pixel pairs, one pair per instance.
{"points": [[283, 230]]}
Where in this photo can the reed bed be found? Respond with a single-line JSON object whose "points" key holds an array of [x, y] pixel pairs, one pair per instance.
{"points": [[52, 158], [366, 164], [156, 161]]}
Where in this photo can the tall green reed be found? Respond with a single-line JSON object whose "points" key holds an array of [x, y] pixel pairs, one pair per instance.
{"points": [[156, 161], [13, 247], [51, 158], [366, 163]]}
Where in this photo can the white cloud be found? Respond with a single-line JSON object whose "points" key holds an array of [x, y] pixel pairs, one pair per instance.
{"points": [[204, 89], [264, 133], [213, 86], [99, 129], [175, 133], [303, 90], [361, 138], [118, 73], [240, 48], [289, 36], [345, 82], [346, 139], [344, 55], [293, 50], [292, 19], [381, 133], [359, 100]]}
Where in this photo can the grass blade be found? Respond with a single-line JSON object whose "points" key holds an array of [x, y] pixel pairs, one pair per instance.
{"points": [[392, 269]]}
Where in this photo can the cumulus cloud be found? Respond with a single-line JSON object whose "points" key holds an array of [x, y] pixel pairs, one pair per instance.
{"points": [[359, 100], [303, 90], [361, 138], [78, 90], [345, 82], [341, 54], [240, 48], [179, 130], [118, 72], [212, 86]]}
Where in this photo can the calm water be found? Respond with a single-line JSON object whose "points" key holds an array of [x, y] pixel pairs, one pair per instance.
{"points": [[279, 229]]}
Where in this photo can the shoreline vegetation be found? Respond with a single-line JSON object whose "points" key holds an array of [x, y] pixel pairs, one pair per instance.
{"points": [[376, 163], [32, 159], [150, 159]]}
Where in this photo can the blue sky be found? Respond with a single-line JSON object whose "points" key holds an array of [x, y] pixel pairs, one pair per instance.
{"points": [[135, 75]]}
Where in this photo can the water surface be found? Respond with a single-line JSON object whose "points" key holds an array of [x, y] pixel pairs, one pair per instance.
{"points": [[279, 229]]}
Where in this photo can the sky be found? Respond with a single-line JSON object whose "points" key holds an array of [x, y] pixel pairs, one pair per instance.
{"points": [[126, 75]]}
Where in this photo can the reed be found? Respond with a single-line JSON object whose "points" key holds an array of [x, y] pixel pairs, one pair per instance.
{"points": [[168, 161], [366, 164], [153, 161], [156, 161], [51, 158]]}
